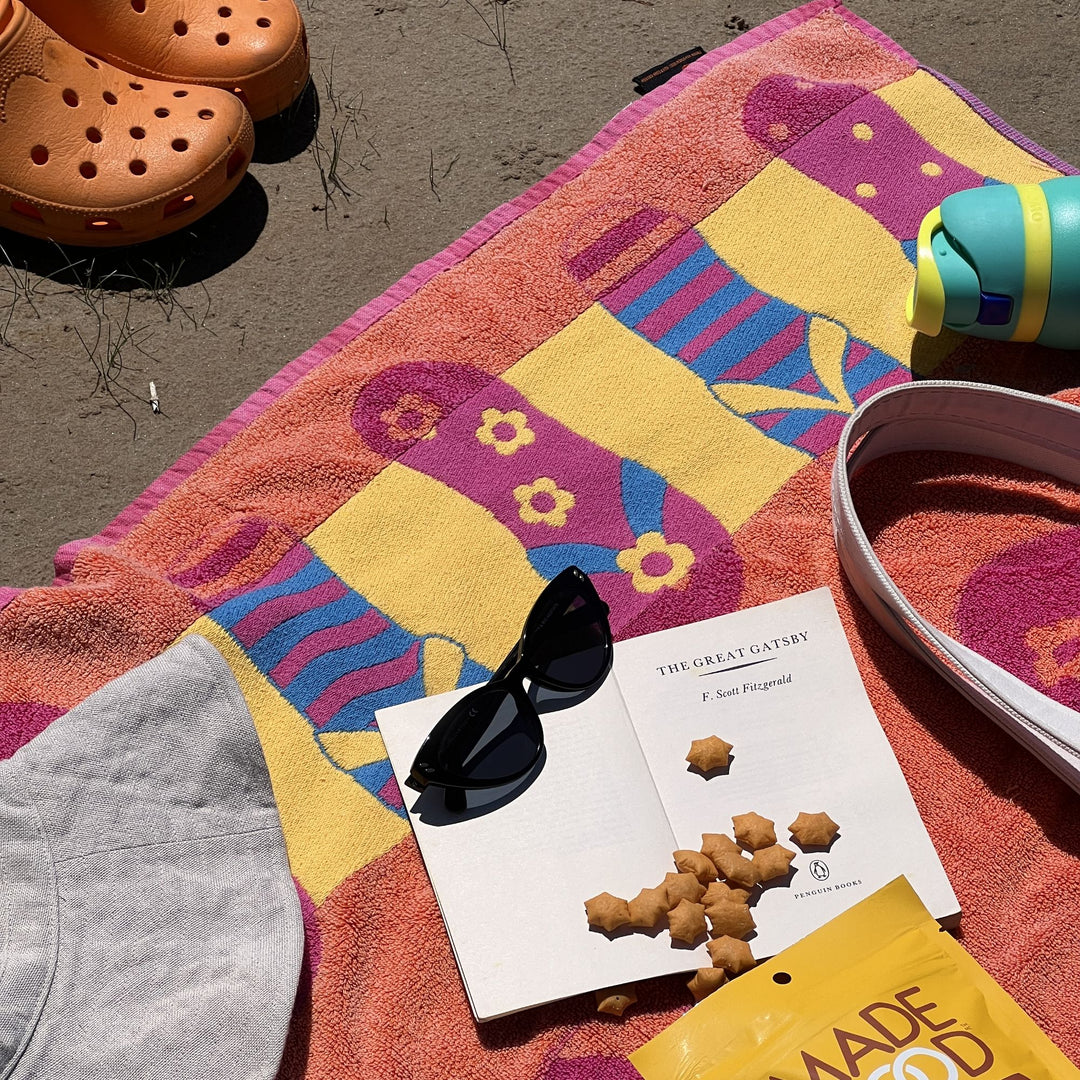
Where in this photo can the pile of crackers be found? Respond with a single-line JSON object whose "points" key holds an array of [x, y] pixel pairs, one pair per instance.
{"points": [[716, 884]]}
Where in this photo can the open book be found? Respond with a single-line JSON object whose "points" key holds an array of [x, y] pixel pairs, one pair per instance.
{"points": [[616, 797]]}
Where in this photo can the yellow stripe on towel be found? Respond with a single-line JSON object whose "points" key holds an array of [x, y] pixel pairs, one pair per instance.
{"points": [[860, 281], [352, 749], [417, 549], [631, 398], [946, 122]]}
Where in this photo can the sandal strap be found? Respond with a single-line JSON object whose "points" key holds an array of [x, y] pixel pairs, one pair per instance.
{"points": [[22, 51]]}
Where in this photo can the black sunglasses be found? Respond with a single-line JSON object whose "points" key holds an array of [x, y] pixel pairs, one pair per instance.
{"points": [[493, 735]]}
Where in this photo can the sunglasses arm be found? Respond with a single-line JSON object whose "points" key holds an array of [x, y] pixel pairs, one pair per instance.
{"points": [[507, 665]]}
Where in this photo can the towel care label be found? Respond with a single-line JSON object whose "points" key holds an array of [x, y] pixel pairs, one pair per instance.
{"points": [[660, 74]]}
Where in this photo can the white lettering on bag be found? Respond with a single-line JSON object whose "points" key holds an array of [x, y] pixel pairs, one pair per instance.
{"points": [[901, 1070]]}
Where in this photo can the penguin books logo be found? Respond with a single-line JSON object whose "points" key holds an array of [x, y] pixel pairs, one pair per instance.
{"points": [[819, 870]]}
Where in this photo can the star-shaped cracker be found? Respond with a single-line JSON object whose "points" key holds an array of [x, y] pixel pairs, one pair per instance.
{"points": [[607, 912], [686, 921], [730, 919], [705, 981], [693, 862], [753, 831], [647, 907], [683, 887], [738, 870], [722, 890], [708, 754], [773, 862], [732, 955], [715, 844], [813, 830], [615, 1000]]}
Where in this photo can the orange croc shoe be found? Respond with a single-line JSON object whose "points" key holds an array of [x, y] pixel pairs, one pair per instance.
{"points": [[89, 155], [257, 49]]}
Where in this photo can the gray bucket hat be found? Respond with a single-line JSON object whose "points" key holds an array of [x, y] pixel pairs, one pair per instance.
{"points": [[149, 925]]}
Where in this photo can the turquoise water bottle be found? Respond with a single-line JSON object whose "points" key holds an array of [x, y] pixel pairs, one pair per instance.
{"points": [[1003, 262]]}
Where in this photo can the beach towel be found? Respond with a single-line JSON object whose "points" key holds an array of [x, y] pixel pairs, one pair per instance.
{"points": [[641, 366]]}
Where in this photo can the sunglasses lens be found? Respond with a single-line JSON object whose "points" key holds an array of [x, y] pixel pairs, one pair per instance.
{"points": [[571, 645], [488, 738]]}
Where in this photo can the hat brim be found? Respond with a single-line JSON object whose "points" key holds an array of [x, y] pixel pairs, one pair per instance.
{"points": [[152, 927]]}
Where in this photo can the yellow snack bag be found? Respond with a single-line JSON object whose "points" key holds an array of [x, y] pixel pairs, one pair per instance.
{"points": [[878, 993]]}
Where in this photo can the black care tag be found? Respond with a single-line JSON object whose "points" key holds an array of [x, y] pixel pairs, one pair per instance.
{"points": [[660, 74]]}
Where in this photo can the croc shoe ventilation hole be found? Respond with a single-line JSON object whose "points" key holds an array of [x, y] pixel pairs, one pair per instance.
{"points": [[178, 205]]}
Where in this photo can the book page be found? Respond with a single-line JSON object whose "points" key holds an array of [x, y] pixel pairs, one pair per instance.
{"points": [[512, 883], [780, 684]]}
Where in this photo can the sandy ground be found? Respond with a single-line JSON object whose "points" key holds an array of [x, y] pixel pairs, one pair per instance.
{"points": [[433, 123]]}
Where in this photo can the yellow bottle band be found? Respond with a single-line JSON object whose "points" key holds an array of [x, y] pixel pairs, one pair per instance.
{"points": [[1037, 244], [926, 301]]}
